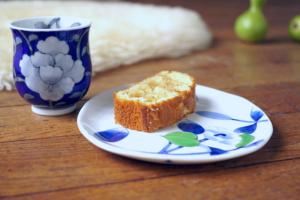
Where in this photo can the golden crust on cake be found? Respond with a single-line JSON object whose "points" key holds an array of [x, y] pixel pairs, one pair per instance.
{"points": [[156, 102]]}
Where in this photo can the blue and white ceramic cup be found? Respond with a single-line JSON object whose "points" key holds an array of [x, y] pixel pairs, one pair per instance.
{"points": [[51, 62]]}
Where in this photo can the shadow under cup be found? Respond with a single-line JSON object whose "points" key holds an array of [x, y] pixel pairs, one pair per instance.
{"points": [[51, 62]]}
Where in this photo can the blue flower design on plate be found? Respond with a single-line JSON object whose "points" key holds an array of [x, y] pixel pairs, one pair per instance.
{"points": [[193, 134], [256, 115], [112, 135]]}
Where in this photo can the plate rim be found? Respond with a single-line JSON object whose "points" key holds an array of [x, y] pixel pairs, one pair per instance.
{"points": [[163, 158]]}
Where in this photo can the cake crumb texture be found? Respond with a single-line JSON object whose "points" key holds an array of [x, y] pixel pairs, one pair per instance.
{"points": [[156, 102]]}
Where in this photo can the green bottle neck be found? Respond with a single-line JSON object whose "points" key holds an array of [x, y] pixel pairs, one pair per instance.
{"points": [[257, 5]]}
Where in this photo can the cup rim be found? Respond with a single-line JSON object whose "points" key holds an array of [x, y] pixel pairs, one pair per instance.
{"points": [[84, 24]]}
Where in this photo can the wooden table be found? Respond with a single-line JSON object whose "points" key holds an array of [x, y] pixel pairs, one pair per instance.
{"points": [[47, 158]]}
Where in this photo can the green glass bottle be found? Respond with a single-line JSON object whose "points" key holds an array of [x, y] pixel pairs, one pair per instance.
{"points": [[252, 25], [294, 28]]}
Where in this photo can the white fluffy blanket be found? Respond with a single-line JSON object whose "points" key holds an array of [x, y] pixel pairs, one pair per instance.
{"points": [[122, 33]]}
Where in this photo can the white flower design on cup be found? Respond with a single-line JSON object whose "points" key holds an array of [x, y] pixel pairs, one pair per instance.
{"points": [[51, 71]]}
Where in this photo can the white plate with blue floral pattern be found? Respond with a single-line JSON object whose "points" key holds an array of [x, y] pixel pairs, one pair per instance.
{"points": [[224, 126]]}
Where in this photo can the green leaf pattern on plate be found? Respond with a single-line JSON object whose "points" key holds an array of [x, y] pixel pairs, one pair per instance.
{"points": [[185, 139], [245, 139]]}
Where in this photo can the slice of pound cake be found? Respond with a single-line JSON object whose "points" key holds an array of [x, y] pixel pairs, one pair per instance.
{"points": [[156, 102]]}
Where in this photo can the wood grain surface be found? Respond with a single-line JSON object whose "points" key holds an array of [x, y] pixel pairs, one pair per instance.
{"points": [[47, 158]]}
